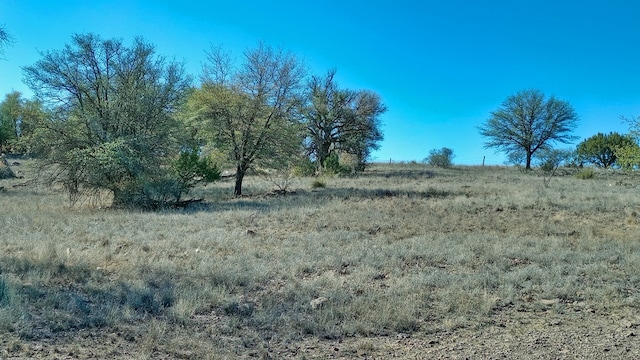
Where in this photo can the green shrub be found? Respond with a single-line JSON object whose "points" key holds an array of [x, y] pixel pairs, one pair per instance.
{"points": [[332, 166], [441, 158], [586, 173], [191, 169], [304, 168]]}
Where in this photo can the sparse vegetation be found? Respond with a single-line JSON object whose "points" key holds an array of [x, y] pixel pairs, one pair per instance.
{"points": [[400, 252]]}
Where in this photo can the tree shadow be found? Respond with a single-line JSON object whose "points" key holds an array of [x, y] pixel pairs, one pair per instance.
{"points": [[302, 198], [40, 299], [397, 173]]}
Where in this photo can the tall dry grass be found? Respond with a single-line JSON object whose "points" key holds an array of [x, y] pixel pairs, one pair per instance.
{"points": [[399, 249]]}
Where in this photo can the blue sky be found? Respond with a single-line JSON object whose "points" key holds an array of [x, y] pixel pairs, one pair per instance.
{"points": [[440, 66]]}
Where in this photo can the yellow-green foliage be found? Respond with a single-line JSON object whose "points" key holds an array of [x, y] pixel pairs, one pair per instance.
{"points": [[628, 156]]}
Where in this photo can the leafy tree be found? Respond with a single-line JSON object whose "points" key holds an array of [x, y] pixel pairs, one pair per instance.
{"points": [[599, 148], [10, 115], [527, 122], [341, 120], [112, 123], [628, 156], [442, 158], [17, 117], [249, 111]]}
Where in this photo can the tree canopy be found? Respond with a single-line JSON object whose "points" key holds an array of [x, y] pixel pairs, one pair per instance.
{"points": [[527, 122], [341, 120], [10, 117], [249, 110], [112, 124], [599, 149]]}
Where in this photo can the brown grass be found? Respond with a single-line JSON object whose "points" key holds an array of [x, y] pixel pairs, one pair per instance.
{"points": [[399, 251]]}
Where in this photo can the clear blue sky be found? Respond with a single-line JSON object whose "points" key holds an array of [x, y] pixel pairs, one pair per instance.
{"points": [[440, 66]]}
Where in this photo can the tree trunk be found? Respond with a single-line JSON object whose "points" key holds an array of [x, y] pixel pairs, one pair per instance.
{"points": [[323, 154], [240, 172], [528, 166]]}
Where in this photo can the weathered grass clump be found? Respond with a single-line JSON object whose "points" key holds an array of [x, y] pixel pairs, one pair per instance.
{"points": [[585, 174], [319, 183]]}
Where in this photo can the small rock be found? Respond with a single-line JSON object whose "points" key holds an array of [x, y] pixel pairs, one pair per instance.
{"points": [[318, 302], [548, 301]]}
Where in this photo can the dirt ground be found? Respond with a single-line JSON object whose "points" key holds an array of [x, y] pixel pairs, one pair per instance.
{"points": [[576, 334]]}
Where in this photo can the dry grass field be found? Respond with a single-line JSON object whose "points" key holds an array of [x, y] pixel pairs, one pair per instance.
{"points": [[402, 261]]}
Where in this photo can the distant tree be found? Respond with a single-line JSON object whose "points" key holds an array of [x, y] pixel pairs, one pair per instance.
{"points": [[112, 121], [527, 122], [10, 115], [441, 158], [628, 155], [599, 148], [32, 113], [249, 111], [17, 117], [341, 120]]}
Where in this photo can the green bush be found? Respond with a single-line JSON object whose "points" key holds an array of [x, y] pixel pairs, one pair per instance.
{"points": [[586, 173], [306, 167], [441, 158], [192, 169], [332, 166]]}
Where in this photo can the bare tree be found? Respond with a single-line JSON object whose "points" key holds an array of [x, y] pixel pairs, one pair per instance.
{"points": [[5, 39], [249, 111], [527, 122]]}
